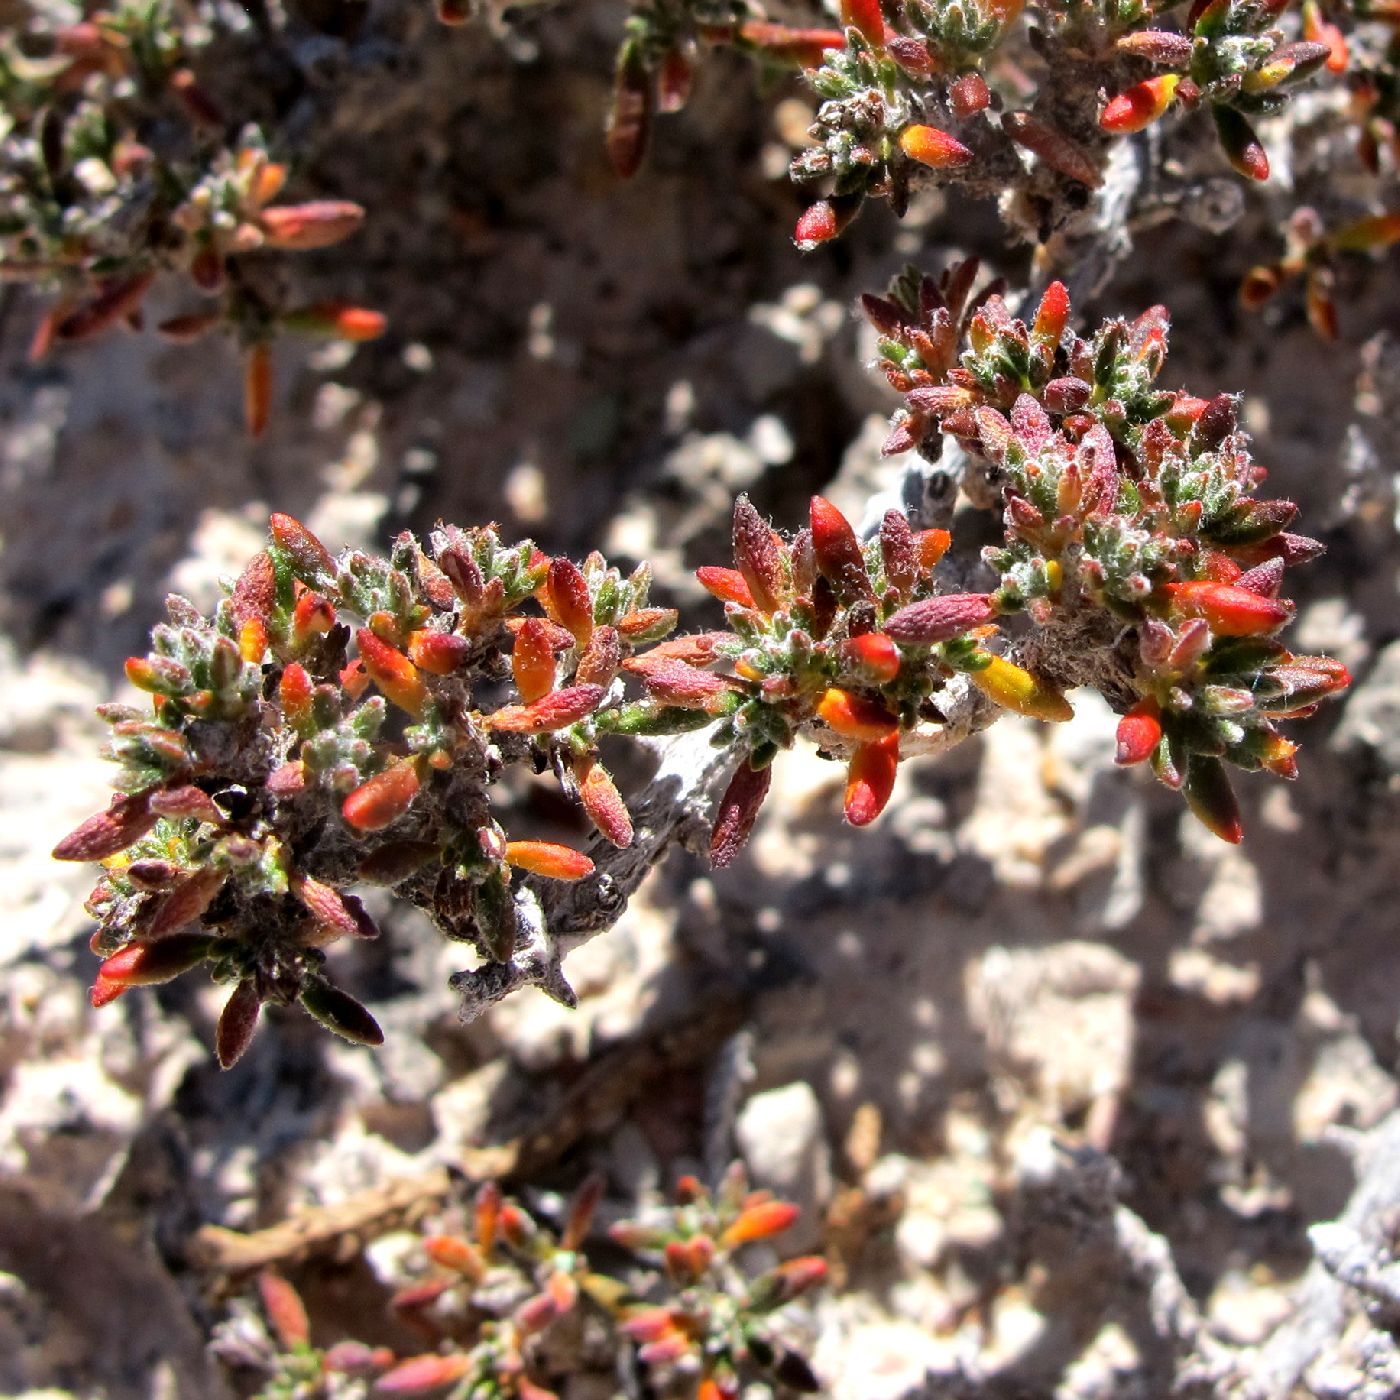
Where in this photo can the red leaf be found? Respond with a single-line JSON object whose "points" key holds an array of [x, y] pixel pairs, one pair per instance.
{"points": [[838, 553], [870, 780], [383, 799], [557, 710], [237, 1022], [759, 558], [738, 811], [1139, 733], [941, 619], [285, 1310], [126, 820]]}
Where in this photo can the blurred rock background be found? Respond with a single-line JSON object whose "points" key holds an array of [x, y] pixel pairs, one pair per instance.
{"points": [[1030, 949]]}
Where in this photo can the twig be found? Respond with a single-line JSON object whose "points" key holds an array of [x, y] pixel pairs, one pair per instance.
{"points": [[557, 918]]}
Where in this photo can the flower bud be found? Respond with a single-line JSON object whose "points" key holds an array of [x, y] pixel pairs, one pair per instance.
{"points": [[1052, 316], [759, 558], [647, 624], [728, 585], [486, 1215], [103, 993], [567, 601], [738, 811], [912, 55], [936, 400], [933, 545], [453, 1253], [126, 820], [1240, 144], [535, 1314], [675, 682], [1229, 610], [629, 120], [601, 658], [382, 800], [604, 805], [899, 554], [1015, 688], [549, 860], [356, 1359], [803, 47], [934, 148], [1052, 146], [1264, 579], [423, 1375], [395, 675], [1322, 31], [873, 653], [969, 94], [855, 717], [1291, 62], [184, 902], [316, 224], [1268, 750], [532, 660], [870, 779], [237, 1022], [184, 329], [838, 554], [186, 801], [310, 559], [942, 618], [436, 652], [335, 320], [313, 616], [791, 1279], [557, 710], [1157, 46], [825, 219], [1139, 732], [115, 302], [759, 1222], [252, 641], [1211, 798], [865, 17], [294, 690], [582, 1208], [257, 388], [1306, 680], [1375, 232], [285, 1311], [149, 964], [1140, 106], [650, 1324]]}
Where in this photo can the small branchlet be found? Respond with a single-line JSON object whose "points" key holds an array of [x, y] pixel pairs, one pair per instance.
{"points": [[945, 91], [1312, 255], [341, 721], [915, 92], [116, 167], [1131, 516], [509, 1308]]}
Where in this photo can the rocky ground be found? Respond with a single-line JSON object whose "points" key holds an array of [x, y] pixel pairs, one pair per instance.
{"points": [[1061, 1081]]}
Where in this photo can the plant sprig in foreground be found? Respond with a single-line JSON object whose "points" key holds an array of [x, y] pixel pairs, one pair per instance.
{"points": [[509, 1308], [342, 721]]}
